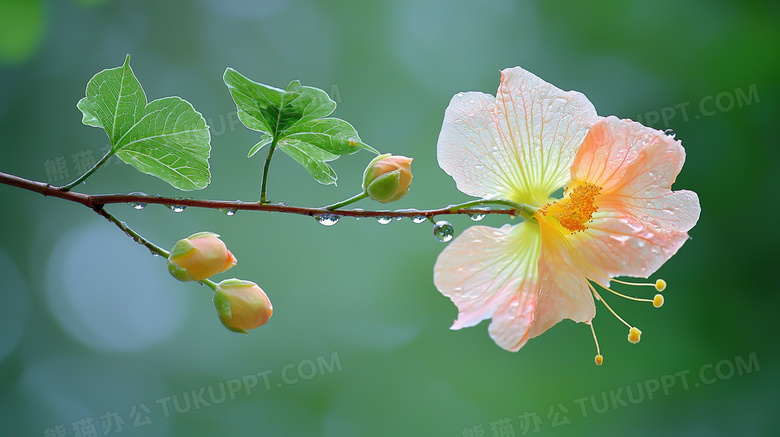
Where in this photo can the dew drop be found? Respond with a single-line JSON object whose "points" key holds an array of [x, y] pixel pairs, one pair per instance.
{"points": [[327, 219], [477, 217], [670, 133], [383, 220], [419, 219], [177, 208], [460, 94], [443, 231], [399, 218], [138, 205], [229, 211]]}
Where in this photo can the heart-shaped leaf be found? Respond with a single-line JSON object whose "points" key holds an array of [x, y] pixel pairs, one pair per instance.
{"points": [[166, 138]]}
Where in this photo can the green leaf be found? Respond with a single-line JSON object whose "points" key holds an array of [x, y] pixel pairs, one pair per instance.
{"points": [[312, 159], [266, 139], [331, 134], [293, 119], [166, 138]]}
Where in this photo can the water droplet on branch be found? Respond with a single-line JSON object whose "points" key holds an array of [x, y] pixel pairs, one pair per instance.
{"points": [[419, 219], [327, 219], [138, 205], [443, 231], [229, 211], [477, 217], [177, 208], [383, 220]]}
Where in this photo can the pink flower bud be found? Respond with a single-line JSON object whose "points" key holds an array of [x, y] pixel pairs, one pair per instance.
{"points": [[387, 178], [242, 305], [199, 256]]}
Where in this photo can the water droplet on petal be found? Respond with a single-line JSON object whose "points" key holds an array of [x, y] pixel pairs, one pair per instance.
{"points": [[383, 220], [670, 133], [443, 231], [460, 94], [327, 219], [419, 219]]}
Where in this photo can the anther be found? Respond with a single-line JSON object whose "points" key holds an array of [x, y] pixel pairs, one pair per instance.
{"points": [[658, 301], [599, 359], [634, 335], [660, 285]]}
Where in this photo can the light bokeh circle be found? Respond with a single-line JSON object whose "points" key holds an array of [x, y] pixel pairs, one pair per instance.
{"points": [[111, 294]]}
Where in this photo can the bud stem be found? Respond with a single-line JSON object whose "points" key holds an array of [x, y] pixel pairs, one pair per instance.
{"points": [[138, 238], [344, 203]]}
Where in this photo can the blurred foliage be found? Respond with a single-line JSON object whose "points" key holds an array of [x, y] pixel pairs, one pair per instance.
{"points": [[91, 324]]}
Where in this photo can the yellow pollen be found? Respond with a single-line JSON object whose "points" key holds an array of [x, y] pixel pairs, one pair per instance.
{"points": [[658, 301], [599, 359], [575, 209], [633, 335], [660, 285]]}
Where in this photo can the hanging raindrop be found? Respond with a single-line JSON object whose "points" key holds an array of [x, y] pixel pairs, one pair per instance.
{"points": [[138, 205], [477, 217], [443, 231], [229, 211], [177, 208], [670, 133], [383, 220], [419, 219], [327, 219]]}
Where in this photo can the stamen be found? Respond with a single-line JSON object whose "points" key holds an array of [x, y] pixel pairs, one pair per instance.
{"points": [[638, 299], [576, 208], [634, 335], [596, 293], [599, 357], [658, 301], [660, 284]]}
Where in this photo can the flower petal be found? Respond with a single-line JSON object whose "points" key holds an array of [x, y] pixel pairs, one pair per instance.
{"points": [[626, 158], [641, 223], [563, 288], [518, 145], [489, 272], [635, 237]]}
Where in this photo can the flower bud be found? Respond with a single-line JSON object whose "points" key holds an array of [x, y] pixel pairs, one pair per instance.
{"points": [[199, 256], [242, 305], [387, 178]]}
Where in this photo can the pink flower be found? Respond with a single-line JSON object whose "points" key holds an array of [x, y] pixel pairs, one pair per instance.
{"points": [[617, 215]]}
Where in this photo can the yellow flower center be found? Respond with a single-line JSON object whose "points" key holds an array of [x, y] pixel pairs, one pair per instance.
{"points": [[575, 209]]}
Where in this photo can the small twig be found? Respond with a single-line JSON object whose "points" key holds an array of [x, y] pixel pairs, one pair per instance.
{"points": [[97, 201]]}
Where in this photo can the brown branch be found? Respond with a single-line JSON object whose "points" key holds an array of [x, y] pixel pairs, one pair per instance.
{"points": [[97, 201]]}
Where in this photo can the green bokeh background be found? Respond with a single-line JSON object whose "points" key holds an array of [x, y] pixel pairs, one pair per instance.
{"points": [[90, 323]]}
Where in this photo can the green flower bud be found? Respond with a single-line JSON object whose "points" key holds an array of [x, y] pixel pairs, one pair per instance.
{"points": [[199, 256], [242, 305], [387, 178]]}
